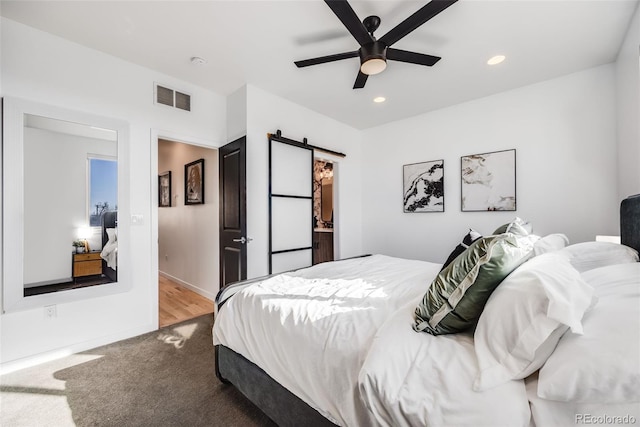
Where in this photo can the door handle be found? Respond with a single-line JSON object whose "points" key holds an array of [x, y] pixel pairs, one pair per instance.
{"points": [[243, 240]]}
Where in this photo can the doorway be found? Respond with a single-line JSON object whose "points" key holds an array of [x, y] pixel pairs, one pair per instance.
{"points": [[187, 224], [323, 211]]}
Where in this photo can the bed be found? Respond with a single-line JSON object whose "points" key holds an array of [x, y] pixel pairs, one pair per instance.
{"points": [[109, 252], [367, 341]]}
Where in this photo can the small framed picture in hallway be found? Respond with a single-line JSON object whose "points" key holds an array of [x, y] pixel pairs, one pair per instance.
{"points": [[194, 183], [164, 190]]}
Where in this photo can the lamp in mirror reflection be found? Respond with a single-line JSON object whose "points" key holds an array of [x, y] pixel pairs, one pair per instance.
{"points": [[83, 234]]}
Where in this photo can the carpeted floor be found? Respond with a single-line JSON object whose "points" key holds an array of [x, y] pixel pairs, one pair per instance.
{"points": [[163, 378]]}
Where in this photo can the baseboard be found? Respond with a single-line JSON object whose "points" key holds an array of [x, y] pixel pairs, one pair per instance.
{"points": [[189, 286], [47, 356]]}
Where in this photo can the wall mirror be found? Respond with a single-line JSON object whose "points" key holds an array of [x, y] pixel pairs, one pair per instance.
{"points": [[327, 199], [64, 202]]}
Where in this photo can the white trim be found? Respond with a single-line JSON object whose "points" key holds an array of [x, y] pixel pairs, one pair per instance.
{"points": [[59, 353], [189, 286]]}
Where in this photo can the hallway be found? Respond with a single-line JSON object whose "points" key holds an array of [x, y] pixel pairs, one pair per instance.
{"points": [[178, 303]]}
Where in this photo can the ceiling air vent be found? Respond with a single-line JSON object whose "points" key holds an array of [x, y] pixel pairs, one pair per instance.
{"points": [[172, 98], [183, 101]]}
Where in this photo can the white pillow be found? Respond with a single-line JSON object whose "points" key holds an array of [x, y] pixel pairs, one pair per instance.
{"points": [[603, 365], [550, 243], [112, 234], [526, 316], [589, 255]]}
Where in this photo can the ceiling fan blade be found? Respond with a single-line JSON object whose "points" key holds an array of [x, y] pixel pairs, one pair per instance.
{"points": [[328, 58], [411, 57], [425, 13], [360, 80], [350, 20]]}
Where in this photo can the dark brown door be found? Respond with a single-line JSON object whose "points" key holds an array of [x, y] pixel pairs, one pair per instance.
{"points": [[233, 212]]}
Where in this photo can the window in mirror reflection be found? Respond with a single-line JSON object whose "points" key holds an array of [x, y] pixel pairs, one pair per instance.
{"points": [[103, 188]]}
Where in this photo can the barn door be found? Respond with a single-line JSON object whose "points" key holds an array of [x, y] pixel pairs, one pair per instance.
{"points": [[290, 204]]}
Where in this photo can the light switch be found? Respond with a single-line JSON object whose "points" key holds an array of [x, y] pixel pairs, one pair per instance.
{"points": [[137, 219]]}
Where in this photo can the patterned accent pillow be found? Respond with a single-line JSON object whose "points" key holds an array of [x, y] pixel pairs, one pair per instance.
{"points": [[456, 297], [467, 240]]}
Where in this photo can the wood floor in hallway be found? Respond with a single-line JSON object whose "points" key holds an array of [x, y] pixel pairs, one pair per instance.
{"points": [[178, 303]]}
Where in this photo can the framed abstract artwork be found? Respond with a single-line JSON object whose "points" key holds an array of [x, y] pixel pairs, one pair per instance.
{"points": [[423, 186], [194, 183], [488, 181], [164, 190]]}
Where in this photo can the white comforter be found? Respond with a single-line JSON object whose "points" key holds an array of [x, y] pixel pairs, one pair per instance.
{"points": [[339, 336], [311, 330], [417, 379], [110, 254]]}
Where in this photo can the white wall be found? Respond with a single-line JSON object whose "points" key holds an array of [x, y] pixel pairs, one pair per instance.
{"points": [[564, 134], [188, 235], [628, 111], [237, 114], [47, 69], [267, 113]]}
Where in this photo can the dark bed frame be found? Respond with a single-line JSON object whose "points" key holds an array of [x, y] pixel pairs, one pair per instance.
{"points": [[286, 409], [109, 220]]}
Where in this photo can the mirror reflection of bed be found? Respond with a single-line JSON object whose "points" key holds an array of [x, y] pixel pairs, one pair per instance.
{"points": [[97, 266]]}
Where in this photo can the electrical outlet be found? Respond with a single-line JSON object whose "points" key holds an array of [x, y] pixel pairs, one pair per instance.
{"points": [[50, 311]]}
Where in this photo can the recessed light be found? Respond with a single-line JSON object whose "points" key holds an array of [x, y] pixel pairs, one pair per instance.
{"points": [[496, 60], [196, 60], [379, 99]]}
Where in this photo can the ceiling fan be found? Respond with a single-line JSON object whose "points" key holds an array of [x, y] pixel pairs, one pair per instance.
{"points": [[373, 52]]}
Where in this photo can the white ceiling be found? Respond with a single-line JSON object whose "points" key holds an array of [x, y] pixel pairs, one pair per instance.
{"points": [[256, 42]]}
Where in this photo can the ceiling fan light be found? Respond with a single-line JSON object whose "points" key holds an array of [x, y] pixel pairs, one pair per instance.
{"points": [[373, 58], [373, 66]]}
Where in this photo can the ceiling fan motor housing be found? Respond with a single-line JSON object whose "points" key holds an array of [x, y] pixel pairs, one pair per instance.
{"points": [[373, 57]]}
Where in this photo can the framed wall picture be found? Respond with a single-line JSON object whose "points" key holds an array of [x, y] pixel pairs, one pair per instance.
{"points": [[164, 190], [194, 183], [423, 186], [488, 181]]}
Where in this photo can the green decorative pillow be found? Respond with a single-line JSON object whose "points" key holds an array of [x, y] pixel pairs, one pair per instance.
{"points": [[517, 226], [456, 297]]}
